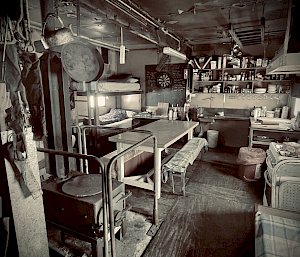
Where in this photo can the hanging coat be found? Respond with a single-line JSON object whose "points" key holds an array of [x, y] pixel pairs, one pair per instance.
{"points": [[31, 79], [14, 118]]}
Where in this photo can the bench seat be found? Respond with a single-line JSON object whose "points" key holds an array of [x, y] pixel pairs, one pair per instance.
{"points": [[178, 164]]}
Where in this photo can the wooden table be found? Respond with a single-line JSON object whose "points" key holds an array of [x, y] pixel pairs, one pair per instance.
{"points": [[167, 132]]}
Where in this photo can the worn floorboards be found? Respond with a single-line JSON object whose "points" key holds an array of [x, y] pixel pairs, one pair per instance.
{"points": [[216, 218]]}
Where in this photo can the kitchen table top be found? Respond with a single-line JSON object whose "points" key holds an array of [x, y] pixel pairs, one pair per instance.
{"points": [[167, 132]]}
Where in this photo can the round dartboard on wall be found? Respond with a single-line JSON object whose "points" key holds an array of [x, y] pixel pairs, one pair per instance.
{"points": [[163, 79]]}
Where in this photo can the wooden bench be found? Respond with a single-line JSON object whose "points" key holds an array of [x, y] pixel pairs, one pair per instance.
{"points": [[178, 164]]}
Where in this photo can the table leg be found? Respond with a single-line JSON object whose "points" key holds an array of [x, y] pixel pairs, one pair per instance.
{"points": [[157, 173], [250, 137], [190, 134], [120, 163]]}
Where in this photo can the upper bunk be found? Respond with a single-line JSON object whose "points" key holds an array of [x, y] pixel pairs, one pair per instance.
{"points": [[115, 85]]}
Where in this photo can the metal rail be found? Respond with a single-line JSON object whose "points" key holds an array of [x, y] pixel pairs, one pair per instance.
{"points": [[109, 184], [83, 133], [79, 143], [104, 187]]}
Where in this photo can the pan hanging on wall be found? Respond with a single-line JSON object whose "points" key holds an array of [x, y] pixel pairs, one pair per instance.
{"points": [[82, 61]]}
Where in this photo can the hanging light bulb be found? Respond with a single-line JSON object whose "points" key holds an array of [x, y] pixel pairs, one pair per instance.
{"points": [[122, 49]]}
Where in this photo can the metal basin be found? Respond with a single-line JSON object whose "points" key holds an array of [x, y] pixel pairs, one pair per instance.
{"points": [[207, 119]]}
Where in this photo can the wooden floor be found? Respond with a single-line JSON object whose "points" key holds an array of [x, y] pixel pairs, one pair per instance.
{"points": [[216, 218]]}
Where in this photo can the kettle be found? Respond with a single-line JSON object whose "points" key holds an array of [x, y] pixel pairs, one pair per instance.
{"points": [[58, 36]]}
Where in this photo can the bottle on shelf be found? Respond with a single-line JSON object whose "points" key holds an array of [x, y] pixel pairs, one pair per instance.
{"points": [[170, 115]]}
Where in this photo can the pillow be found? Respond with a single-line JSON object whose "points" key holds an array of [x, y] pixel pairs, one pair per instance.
{"points": [[132, 80], [130, 114], [120, 77], [113, 115]]}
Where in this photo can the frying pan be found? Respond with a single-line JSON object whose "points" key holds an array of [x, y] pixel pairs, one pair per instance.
{"points": [[82, 61]]}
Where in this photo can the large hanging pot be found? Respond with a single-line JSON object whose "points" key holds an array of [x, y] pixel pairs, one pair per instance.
{"points": [[58, 36], [82, 61]]}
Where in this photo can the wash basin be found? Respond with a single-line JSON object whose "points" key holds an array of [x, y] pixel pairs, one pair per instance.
{"points": [[208, 119]]}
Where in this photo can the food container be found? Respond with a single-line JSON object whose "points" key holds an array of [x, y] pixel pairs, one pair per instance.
{"points": [[263, 111], [270, 114], [285, 111], [277, 112]]}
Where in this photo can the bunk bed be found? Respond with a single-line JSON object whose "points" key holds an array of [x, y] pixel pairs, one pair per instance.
{"points": [[95, 134], [115, 117]]}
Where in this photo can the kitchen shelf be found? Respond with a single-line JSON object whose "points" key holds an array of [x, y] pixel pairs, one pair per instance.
{"points": [[216, 76], [260, 143], [276, 134]]}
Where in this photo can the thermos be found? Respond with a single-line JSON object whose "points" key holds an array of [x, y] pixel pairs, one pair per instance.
{"points": [[284, 112]]}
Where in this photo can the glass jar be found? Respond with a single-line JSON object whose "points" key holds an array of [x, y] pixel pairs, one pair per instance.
{"points": [[263, 111], [277, 112]]}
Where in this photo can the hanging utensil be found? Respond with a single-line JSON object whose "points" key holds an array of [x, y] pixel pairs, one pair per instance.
{"points": [[56, 37], [4, 95], [82, 61]]}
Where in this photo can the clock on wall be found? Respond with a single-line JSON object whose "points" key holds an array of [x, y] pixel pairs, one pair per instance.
{"points": [[163, 79]]}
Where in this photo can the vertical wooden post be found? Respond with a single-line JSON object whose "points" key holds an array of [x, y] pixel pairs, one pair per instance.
{"points": [[27, 209], [57, 112]]}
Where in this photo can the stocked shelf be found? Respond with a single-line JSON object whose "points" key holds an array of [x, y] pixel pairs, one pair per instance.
{"points": [[264, 136], [238, 80]]}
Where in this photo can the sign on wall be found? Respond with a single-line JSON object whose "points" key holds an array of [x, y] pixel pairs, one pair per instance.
{"points": [[171, 76]]}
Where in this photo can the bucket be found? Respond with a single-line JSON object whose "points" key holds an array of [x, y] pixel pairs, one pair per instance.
{"points": [[212, 138]]}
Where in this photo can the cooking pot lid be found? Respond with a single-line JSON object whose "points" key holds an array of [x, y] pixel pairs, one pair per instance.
{"points": [[84, 185], [82, 61]]}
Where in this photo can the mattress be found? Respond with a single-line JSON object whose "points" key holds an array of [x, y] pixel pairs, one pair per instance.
{"points": [[105, 86], [115, 118], [126, 123]]}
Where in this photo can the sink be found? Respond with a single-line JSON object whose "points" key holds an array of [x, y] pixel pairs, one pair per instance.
{"points": [[207, 119]]}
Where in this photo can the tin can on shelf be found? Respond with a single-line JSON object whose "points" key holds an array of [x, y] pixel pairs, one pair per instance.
{"points": [[270, 114], [263, 111], [277, 112]]}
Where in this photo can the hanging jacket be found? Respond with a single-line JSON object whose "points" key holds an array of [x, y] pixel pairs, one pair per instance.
{"points": [[31, 79], [14, 118]]}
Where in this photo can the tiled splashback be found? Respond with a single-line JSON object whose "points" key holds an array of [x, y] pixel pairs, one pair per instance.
{"points": [[239, 101]]}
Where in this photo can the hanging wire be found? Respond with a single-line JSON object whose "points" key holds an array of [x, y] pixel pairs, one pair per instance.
{"points": [[23, 33], [78, 17], [263, 23], [4, 53]]}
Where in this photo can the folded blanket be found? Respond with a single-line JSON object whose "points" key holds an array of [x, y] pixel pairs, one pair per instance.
{"points": [[186, 155], [112, 116]]}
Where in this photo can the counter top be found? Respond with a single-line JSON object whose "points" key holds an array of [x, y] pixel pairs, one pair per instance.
{"points": [[271, 123], [149, 116], [225, 117]]}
